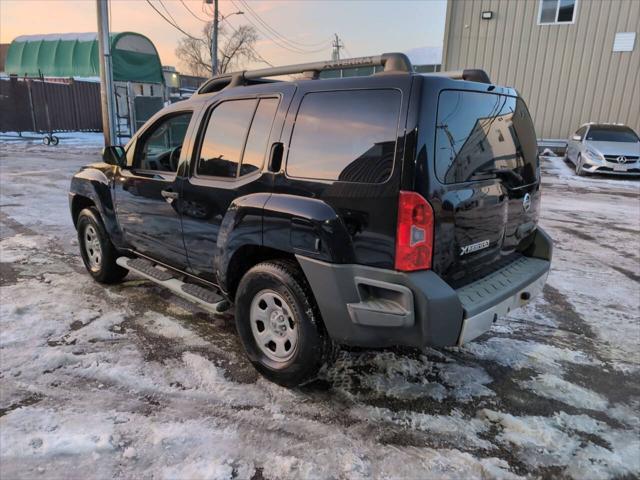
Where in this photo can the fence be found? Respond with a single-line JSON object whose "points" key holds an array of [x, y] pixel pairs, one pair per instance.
{"points": [[32, 105]]}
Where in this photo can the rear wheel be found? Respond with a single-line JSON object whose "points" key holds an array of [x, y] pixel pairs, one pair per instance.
{"points": [[279, 324], [98, 253]]}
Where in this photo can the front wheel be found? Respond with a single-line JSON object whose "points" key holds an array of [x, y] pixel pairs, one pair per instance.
{"points": [[579, 169], [98, 253], [279, 324]]}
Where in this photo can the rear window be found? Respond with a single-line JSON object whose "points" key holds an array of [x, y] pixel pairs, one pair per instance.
{"points": [[345, 135], [224, 138], [484, 135], [612, 134]]}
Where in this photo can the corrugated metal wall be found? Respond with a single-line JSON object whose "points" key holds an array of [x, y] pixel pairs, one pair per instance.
{"points": [[568, 74], [72, 106]]}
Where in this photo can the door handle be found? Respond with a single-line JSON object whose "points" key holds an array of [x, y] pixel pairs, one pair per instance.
{"points": [[275, 157], [169, 194]]}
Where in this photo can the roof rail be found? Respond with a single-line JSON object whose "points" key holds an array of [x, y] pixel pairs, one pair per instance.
{"points": [[391, 62], [470, 74]]}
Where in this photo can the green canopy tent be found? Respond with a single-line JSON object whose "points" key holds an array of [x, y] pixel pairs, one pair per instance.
{"points": [[134, 57]]}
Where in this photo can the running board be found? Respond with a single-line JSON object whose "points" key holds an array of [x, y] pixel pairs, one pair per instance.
{"points": [[208, 300]]}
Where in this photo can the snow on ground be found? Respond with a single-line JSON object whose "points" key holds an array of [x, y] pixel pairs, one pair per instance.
{"points": [[128, 381], [67, 139]]}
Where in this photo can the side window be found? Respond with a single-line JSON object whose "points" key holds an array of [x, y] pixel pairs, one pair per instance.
{"points": [[581, 132], [224, 138], [556, 11], [161, 146], [347, 135], [255, 149]]}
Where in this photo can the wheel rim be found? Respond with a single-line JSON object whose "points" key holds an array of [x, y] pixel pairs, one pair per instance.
{"points": [[273, 326], [92, 247]]}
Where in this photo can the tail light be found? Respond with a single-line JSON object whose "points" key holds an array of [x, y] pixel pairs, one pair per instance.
{"points": [[414, 235]]}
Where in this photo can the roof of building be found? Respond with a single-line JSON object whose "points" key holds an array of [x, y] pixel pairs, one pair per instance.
{"points": [[134, 57]]}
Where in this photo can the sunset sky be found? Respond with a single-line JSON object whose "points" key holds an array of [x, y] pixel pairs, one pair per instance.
{"points": [[365, 26]]}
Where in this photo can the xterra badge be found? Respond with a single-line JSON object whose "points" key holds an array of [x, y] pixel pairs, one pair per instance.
{"points": [[474, 247]]}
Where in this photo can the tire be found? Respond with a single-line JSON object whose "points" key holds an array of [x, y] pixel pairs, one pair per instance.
{"points": [[579, 170], [46, 140], [297, 319], [55, 140], [98, 253]]}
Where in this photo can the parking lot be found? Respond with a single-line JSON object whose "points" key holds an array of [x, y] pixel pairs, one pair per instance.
{"points": [[131, 381]]}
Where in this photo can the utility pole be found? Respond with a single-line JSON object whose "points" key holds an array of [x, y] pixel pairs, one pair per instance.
{"points": [[337, 45], [214, 40], [106, 76], [215, 27]]}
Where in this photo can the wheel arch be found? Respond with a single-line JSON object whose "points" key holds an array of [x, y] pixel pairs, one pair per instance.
{"points": [[263, 226], [79, 203], [92, 186], [246, 257]]}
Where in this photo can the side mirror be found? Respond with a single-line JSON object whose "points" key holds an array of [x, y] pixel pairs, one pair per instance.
{"points": [[114, 155], [576, 138]]}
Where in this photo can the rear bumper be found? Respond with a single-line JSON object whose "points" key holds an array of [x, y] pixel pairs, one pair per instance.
{"points": [[497, 294], [373, 307]]}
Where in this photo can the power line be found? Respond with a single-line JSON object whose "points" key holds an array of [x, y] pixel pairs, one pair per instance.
{"points": [[291, 42], [280, 43], [255, 52], [192, 13], [168, 12], [279, 39], [174, 25]]}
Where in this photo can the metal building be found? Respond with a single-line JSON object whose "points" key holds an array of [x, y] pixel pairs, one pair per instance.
{"points": [[573, 61], [139, 83]]}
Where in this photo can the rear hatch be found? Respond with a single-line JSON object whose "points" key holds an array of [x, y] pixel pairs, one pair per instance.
{"points": [[484, 183]]}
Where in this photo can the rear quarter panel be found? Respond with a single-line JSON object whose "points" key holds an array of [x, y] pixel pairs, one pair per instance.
{"points": [[365, 213]]}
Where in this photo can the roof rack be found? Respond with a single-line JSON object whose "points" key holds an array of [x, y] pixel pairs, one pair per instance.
{"points": [[469, 74], [391, 62]]}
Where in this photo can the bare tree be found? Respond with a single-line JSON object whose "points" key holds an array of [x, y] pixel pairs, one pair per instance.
{"points": [[236, 49]]}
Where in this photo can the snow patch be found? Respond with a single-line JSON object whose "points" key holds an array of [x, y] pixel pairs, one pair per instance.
{"points": [[550, 386], [520, 354], [387, 374], [556, 441], [454, 428], [166, 327]]}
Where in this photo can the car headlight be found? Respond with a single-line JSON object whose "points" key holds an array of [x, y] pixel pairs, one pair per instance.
{"points": [[593, 154]]}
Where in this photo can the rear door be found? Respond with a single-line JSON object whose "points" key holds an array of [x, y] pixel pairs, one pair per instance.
{"points": [[487, 172], [228, 160]]}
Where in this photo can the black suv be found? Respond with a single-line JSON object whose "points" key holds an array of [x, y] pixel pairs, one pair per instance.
{"points": [[393, 209]]}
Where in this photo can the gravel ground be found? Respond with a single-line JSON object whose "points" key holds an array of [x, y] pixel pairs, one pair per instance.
{"points": [[129, 381]]}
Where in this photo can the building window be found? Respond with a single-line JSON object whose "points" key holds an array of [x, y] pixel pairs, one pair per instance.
{"points": [[557, 11]]}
